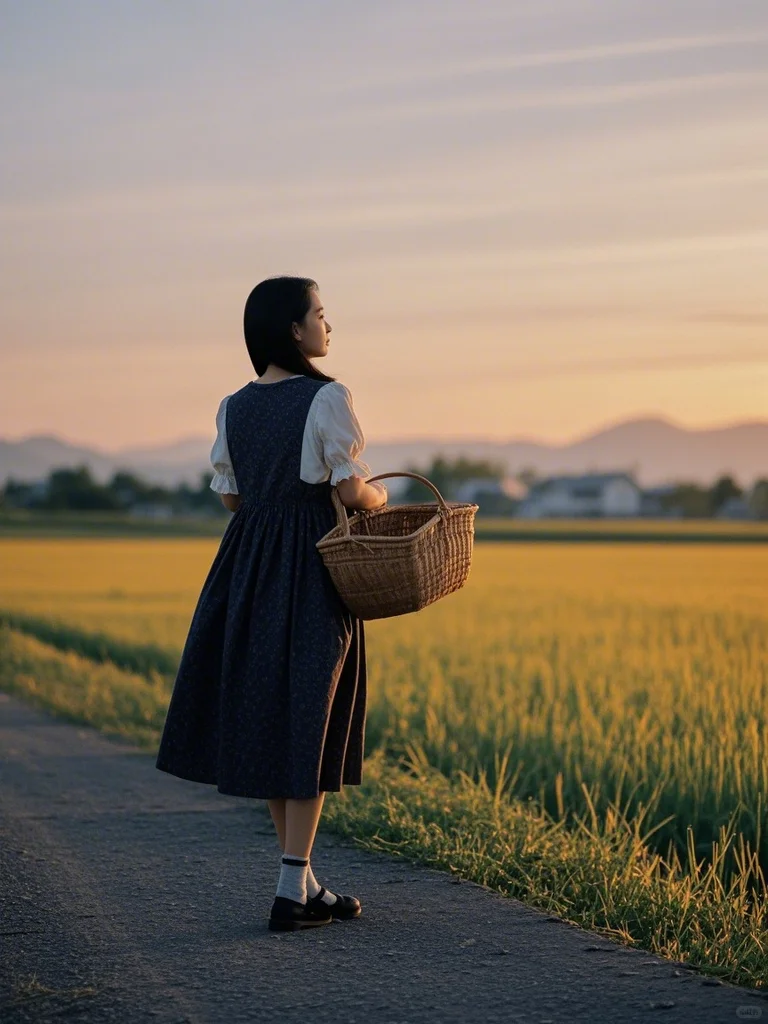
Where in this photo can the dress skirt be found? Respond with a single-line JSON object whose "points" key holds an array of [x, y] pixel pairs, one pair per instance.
{"points": [[270, 695]]}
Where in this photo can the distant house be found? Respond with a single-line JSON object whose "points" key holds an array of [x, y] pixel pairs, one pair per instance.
{"points": [[38, 490], [734, 508], [591, 495], [470, 490], [26, 495], [494, 497]]}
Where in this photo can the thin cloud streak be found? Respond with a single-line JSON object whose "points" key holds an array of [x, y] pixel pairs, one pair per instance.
{"points": [[559, 99], [501, 261], [589, 367], [350, 202], [732, 318], [551, 58], [570, 313], [672, 361]]}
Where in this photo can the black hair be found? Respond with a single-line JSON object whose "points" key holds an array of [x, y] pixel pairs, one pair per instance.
{"points": [[270, 310]]}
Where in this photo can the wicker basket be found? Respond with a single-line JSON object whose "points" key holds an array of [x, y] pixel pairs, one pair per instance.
{"points": [[398, 558]]}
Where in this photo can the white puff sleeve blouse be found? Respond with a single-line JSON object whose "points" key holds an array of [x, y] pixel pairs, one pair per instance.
{"points": [[331, 447]]}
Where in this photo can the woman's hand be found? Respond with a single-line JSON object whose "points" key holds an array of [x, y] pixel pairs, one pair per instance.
{"points": [[381, 487]]}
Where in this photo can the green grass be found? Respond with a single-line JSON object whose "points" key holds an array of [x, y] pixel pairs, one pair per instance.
{"points": [[18, 523], [613, 693], [21, 523], [121, 704], [594, 870], [98, 647]]}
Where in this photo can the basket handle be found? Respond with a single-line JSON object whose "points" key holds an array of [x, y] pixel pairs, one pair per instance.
{"points": [[341, 511], [416, 476]]}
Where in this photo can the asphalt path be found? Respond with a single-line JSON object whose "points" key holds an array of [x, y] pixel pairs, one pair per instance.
{"points": [[129, 896]]}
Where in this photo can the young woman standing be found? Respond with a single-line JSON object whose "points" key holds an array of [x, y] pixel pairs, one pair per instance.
{"points": [[270, 697]]}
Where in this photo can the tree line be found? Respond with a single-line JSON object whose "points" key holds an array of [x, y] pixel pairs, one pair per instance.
{"points": [[76, 489]]}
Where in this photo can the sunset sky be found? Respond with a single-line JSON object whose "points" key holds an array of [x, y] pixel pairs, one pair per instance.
{"points": [[527, 219]]}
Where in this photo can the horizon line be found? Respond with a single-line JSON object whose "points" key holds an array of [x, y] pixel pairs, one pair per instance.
{"points": [[415, 438]]}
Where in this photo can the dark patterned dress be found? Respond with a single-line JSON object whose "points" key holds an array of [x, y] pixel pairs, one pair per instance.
{"points": [[270, 695]]}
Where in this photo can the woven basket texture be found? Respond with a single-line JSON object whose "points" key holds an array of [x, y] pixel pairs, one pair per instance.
{"points": [[399, 558]]}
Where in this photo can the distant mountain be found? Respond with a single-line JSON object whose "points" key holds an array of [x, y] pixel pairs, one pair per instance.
{"points": [[34, 457], [656, 450]]}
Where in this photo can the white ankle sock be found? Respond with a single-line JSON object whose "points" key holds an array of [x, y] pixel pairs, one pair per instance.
{"points": [[313, 888], [293, 878]]}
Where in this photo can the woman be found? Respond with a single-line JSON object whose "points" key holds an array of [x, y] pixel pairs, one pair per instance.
{"points": [[270, 697]]}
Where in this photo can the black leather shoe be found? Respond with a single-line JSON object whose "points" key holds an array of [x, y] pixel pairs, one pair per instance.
{"points": [[343, 909], [290, 915]]}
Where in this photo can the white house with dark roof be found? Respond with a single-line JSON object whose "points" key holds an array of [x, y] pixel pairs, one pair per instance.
{"points": [[591, 494]]}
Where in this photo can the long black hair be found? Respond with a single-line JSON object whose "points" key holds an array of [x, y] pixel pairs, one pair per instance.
{"points": [[270, 310]]}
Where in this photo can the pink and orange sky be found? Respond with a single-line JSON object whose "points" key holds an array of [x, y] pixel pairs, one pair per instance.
{"points": [[526, 219]]}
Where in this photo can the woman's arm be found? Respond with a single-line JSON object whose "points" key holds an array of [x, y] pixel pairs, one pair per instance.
{"points": [[356, 493], [223, 482], [231, 501]]}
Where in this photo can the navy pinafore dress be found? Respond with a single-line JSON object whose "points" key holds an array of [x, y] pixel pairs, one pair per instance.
{"points": [[270, 694]]}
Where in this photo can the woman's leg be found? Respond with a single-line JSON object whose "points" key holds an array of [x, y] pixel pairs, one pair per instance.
{"points": [[301, 821], [296, 824], [277, 810]]}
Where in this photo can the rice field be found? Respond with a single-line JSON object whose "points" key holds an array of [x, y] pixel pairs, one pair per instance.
{"points": [[591, 683]]}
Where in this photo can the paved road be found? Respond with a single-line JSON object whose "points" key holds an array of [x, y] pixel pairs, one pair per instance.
{"points": [[154, 892]]}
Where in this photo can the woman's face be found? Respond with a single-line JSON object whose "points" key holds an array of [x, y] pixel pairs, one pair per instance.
{"points": [[312, 335]]}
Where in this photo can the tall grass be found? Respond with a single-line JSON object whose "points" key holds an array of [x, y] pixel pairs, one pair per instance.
{"points": [[119, 703], [637, 674], [595, 870]]}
